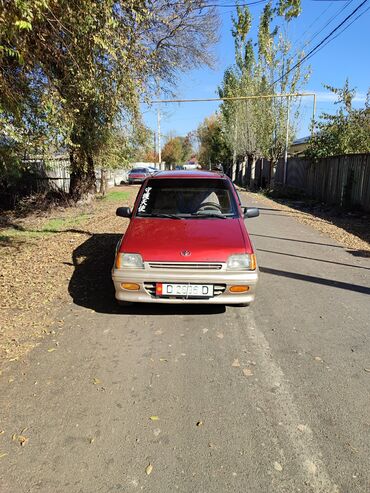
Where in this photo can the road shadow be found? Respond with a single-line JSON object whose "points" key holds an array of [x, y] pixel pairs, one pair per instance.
{"points": [[91, 284], [316, 280], [342, 264], [360, 253], [355, 222]]}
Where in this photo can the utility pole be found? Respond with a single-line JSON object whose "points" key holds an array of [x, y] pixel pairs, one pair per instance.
{"points": [[286, 142], [159, 137], [233, 169]]}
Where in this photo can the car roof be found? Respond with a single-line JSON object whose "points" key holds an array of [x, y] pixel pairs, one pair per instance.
{"points": [[188, 174]]}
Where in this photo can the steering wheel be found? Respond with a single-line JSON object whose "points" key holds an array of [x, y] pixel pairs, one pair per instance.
{"points": [[206, 206]]}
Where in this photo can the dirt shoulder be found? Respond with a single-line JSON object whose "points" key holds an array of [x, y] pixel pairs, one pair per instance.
{"points": [[350, 229], [37, 261]]}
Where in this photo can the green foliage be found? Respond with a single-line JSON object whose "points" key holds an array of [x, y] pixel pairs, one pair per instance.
{"points": [[74, 71], [257, 127], [213, 143], [177, 150], [346, 132], [289, 8]]}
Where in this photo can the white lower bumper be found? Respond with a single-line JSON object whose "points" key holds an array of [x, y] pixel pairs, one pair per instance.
{"points": [[143, 277]]}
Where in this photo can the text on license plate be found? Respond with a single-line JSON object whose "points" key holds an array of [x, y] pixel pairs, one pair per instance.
{"points": [[164, 289]]}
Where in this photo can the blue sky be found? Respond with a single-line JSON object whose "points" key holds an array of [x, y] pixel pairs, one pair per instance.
{"points": [[346, 56]]}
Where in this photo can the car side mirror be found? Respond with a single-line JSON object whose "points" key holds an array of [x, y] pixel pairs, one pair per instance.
{"points": [[124, 212], [250, 212]]}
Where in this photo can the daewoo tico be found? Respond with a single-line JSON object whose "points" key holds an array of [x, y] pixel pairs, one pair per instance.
{"points": [[186, 243]]}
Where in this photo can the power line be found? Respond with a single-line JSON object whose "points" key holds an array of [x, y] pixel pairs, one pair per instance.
{"points": [[327, 23], [315, 48], [344, 29], [318, 17], [233, 5]]}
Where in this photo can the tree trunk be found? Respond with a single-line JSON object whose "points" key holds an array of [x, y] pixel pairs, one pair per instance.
{"points": [[82, 183], [243, 176], [233, 168], [252, 183], [103, 182], [272, 171]]}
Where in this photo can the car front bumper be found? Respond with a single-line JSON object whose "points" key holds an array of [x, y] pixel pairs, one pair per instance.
{"points": [[221, 280], [136, 180]]}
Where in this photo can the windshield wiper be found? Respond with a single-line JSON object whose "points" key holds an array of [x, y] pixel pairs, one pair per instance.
{"points": [[168, 216], [208, 214]]}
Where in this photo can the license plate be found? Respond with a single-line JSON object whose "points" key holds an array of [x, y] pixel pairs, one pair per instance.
{"points": [[184, 290]]}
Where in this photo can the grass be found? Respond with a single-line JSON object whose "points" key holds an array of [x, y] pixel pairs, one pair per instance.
{"points": [[60, 224], [116, 196], [52, 226]]}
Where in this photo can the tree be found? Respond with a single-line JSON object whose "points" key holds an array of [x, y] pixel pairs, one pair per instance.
{"points": [[177, 150], [213, 147], [257, 127], [71, 70], [346, 132]]}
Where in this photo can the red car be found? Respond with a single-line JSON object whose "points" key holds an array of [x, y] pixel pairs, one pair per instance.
{"points": [[186, 243], [138, 175]]}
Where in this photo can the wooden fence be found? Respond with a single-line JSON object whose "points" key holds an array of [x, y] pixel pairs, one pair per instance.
{"points": [[54, 174], [339, 180]]}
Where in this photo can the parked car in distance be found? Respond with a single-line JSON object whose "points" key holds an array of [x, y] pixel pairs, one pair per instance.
{"points": [[138, 175], [186, 243], [153, 169]]}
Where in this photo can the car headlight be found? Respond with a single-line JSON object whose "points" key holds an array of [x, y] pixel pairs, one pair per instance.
{"points": [[129, 261], [241, 262]]}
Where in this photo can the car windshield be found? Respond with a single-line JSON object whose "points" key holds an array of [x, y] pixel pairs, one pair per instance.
{"points": [[190, 198], [139, 170]]}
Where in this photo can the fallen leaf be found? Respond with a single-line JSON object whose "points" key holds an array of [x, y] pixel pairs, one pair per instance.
{"points": [[92, 440], [154, 418], [317, 358], [220, 335], [22, 440], [163, 359], [235, 363], [204, 331], [157, 432], [367, 370], [51, 349], [158, 332], [96, 381], [199, 423], [247, 372], [302, 428], [278, 466], [2, 432], [3, 455], [149, 469]]}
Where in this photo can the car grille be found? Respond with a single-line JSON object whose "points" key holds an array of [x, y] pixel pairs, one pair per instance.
{"points": [[185, 265], [217, 289]]}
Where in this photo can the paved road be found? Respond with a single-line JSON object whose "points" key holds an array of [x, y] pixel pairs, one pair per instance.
{"points": [[270, 398]]}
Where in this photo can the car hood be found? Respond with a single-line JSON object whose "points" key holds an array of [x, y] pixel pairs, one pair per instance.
{"points": [[207, 240]]}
